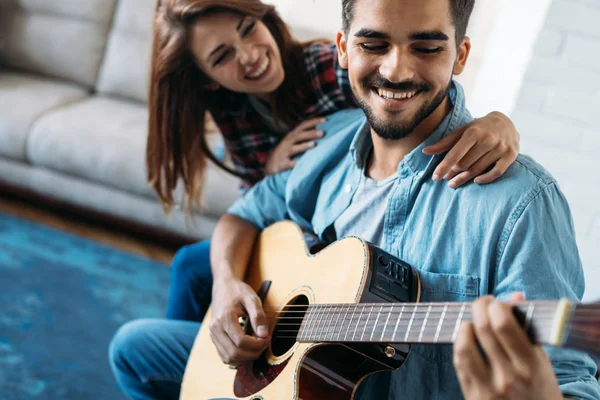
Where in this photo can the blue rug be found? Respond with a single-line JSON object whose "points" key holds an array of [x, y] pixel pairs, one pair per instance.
{"points": [[61, 299]]}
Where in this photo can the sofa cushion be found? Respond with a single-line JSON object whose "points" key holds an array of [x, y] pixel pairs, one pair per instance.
{"points": [[100, 198], [23, 99], [64, 39], [99, 139], [126, 66], [104, 140]]}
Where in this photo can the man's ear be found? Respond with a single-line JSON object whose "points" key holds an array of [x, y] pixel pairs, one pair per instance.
{"points": [[463, 55], [340, 42]]}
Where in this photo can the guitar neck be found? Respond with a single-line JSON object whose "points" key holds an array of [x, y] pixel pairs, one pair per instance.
{"points": [[545, 322]]}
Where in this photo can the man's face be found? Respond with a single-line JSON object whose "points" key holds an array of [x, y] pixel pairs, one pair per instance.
{"points": [[401, 55]]}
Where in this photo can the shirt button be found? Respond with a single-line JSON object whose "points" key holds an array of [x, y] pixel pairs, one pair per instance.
{"points": [[348, 189]]}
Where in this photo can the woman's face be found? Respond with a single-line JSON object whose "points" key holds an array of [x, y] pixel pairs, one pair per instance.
{"points": [[238, 53]]}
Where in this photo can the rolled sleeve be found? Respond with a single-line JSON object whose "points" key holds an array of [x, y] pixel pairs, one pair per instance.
{"points": [[539, 257], [264, 204]]}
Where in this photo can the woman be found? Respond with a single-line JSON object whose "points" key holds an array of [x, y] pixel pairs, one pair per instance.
{"points": [[267, 92]]}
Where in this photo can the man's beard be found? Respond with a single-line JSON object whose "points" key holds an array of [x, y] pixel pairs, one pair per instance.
{"points": [[397, 131]]}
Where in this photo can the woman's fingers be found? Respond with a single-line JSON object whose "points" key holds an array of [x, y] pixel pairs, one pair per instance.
{"points": [[475, 153], [446, 143], [301, 148], [309, 124], [475, 170], [303, 136], [496, 172], [460, 149]]}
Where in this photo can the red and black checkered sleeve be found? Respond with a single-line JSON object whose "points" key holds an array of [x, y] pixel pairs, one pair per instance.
{"points": [[328, 79]]}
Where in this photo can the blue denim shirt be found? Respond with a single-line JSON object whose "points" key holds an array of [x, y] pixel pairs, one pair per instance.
{"points": [[513, 235]]}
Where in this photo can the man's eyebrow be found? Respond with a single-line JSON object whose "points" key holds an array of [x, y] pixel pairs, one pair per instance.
{"points": [[214, 51], [371, 34], [429, 35]]}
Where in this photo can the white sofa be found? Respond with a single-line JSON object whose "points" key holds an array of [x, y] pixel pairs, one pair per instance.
{"points": [[73, 117]]}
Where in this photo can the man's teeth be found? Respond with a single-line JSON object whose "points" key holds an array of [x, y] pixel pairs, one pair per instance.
{"points": [[388, 94], [261, 70]]}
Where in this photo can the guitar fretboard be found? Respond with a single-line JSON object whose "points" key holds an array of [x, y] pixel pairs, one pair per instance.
{"points": [[418, 323]]}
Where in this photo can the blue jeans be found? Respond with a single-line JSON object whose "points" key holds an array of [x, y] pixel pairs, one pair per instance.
{"points": [[191, 283], [148, 357]]}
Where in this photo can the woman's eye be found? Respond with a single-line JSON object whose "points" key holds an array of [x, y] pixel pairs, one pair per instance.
{"points": [[248, 29], [425, 50], [373, 47], [222, 58]]}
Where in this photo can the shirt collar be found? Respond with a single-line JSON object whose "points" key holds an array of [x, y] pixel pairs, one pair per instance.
{"points": [[417, 161]]}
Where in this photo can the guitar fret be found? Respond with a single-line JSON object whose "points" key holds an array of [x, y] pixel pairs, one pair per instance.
{"points": [[343, 322], [366, 323], [323, 329], [386, 322], [439, 328], [412, 318], [397, 322], [317, 334], [350, 323], [424, 324], [305, 320], [337, 321], [530, 309], [458, 321], [358, 322], [376, 322], [328, 322], [311, 321]]}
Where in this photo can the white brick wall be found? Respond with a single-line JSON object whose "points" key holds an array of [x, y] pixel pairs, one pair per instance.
{"points": [[558, 115]]}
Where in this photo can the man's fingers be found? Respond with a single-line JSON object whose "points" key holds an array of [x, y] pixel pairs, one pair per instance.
{"points": [[468, 362], [457, 152], [512, 337], [258, 319], [229, 353], [239, 339], [446, 143], [516, 297], [487, 337]]}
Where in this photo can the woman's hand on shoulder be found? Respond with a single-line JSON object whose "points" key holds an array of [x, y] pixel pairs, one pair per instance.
{"points": [[491, 141], [296, 142]]}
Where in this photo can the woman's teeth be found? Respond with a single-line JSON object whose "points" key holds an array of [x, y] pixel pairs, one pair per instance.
{"points": [[388, 94], [261, 70]]}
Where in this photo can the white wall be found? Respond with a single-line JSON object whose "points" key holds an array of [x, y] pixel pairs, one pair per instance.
{"points": [[557, 114], [503, 34]]}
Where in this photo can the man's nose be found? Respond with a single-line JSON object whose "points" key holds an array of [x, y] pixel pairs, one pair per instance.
{"points": [[397, 66]]}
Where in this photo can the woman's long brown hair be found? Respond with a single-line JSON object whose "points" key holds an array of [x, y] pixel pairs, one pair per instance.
{"points": [[177, 148]]}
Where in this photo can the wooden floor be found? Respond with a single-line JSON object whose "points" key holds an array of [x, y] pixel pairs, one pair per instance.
{"points": [[90, 230]]}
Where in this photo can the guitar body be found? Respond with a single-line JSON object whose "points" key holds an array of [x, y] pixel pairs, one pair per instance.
{"points": [[340, 273]]}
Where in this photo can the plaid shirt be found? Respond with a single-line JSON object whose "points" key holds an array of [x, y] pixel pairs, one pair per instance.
{"points": [[249, 139]]}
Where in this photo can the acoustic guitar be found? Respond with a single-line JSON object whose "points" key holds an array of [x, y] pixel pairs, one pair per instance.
{"points": [[344, 313]]}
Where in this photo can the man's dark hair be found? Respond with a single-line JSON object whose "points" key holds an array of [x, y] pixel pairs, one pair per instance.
{"points": [[461, 13]]}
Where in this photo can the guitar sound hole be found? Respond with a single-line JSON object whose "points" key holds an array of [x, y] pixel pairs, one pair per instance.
{"points": [[288, 325]]}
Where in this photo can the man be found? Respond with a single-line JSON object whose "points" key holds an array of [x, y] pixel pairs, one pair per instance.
{"points": [[370, 178]]}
